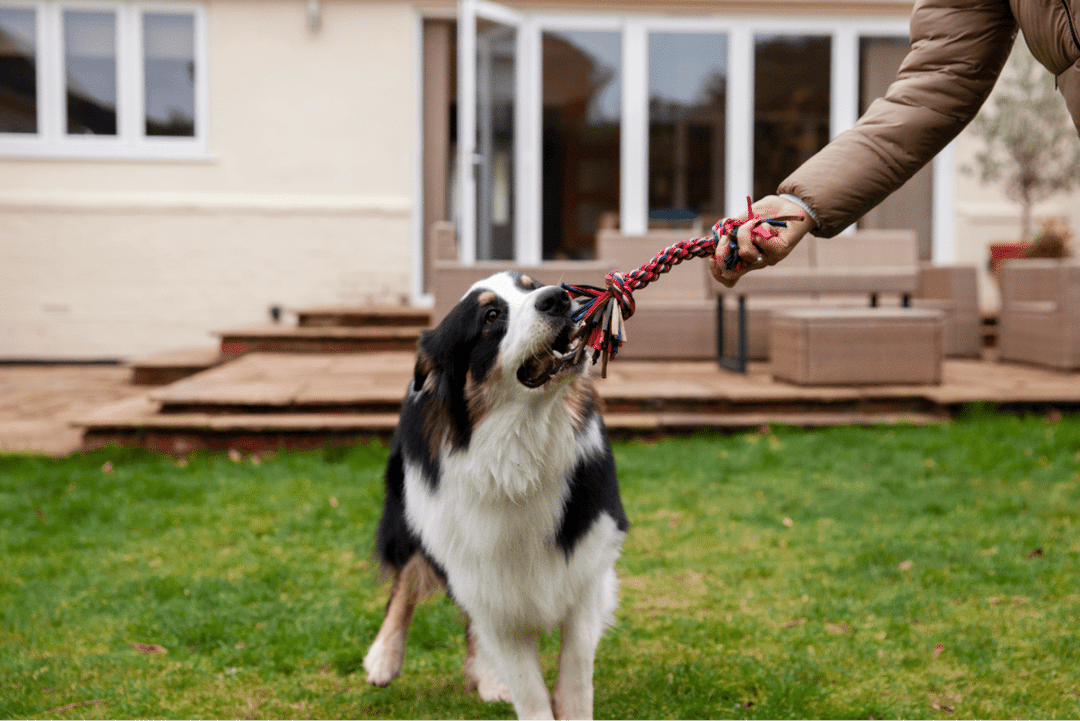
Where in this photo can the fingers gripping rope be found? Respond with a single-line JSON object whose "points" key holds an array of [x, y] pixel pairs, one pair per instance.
{"points": [[603, 329]]}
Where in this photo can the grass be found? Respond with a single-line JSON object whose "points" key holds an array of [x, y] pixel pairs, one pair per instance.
{"points": [[839, 573]]}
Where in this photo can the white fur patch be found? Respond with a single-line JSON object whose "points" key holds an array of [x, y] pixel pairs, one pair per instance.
{"points": [[384, 659]]}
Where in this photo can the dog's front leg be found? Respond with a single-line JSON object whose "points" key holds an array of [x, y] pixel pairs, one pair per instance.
{"points": [[581, 631], [516, 658], [574, 689]]}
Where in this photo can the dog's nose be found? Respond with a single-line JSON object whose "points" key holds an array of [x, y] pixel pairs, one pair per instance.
{"points": [[553, 301]]}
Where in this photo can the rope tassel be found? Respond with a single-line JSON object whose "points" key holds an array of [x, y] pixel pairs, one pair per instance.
{"points": [[603, 330]]}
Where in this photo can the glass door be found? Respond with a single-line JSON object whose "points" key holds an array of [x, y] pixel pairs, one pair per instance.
{"points": [[488, 68]]}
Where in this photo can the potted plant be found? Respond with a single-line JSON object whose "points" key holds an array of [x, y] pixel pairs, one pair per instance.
{"points": [[1029, 142], [1052, 240]]}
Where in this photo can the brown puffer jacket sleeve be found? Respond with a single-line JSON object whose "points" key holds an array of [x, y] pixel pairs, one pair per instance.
{"points": [[958, 48]]}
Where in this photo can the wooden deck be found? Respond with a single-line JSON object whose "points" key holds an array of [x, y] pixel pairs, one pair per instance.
{"points": [[269, 400]]}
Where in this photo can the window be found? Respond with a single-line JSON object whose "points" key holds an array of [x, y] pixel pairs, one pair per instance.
{"points": [[102, 80], [792, 100], [582, 105], [18, 71], [687, 121]]}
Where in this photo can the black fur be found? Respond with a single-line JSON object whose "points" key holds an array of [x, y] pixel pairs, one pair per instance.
{"points": [[523, 281], [395, 543], [466, 341], [594, 489]]}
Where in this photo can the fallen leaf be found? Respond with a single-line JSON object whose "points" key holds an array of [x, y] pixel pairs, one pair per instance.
{"points": [[839, 628], [941, 706], [938, 650], [239, 645], [788, 523], [53, 711], [792, 624], [149, 648], [40, 514], [1036, 553], [905, 565], [324, 669]]}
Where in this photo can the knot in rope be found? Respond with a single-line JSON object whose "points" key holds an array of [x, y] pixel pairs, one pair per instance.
{"points": [[619, 288]]}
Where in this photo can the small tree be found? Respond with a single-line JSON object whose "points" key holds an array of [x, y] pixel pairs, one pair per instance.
{"points": [[1029, 140]]}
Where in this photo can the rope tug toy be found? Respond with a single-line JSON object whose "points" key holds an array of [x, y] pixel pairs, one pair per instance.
{"points": [[602, 329]]}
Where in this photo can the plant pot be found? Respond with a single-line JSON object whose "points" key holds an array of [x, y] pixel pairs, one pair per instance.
{"points": [[1000, 252]]}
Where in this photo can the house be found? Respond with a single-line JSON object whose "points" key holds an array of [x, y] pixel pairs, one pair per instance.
{"points": [[170, 168]]}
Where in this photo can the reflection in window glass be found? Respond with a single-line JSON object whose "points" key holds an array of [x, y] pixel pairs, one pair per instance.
{"points": [[18, 71], [687, 96], [495, 84], [582, 79], [791, 105], [90, 72], [169, 74]]}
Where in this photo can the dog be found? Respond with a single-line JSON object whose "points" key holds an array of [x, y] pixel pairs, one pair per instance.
{"points": [[501, 488]]}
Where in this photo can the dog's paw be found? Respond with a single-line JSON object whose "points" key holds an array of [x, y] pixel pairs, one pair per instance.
{"points": [[480, 678], [384, 659]]}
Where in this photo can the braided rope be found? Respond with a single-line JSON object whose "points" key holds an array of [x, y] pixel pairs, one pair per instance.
{"points": [[603, 328]]}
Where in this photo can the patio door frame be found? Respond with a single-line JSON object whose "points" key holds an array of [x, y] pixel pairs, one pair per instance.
{"points": [[844, 34]]}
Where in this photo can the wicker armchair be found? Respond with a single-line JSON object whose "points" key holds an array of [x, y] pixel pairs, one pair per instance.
{"points": [[1040, 312]]}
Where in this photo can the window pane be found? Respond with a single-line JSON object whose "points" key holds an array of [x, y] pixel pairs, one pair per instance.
{"points": [[90, 67], [687, 96], [169, 72], [582, 79], [18, 71], [495, 96], [879, 61], [791, 105]]}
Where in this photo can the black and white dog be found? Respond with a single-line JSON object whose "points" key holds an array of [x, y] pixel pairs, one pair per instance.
{"points": [[501, 486]]}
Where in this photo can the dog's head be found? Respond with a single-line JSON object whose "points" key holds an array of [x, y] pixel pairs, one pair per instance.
{"points": [[508, 337], [506, 328]]}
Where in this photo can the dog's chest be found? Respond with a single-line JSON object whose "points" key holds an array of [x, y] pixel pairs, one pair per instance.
{"points": [[498, 503]]}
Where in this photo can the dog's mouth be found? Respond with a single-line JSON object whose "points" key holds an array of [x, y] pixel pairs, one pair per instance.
{"points": [[556, 359]]}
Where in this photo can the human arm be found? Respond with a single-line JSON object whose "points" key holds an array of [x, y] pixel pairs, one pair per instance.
{"points": [[958, 48]]}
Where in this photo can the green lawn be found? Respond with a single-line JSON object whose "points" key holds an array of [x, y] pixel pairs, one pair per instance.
{"points": [[839, 573]]}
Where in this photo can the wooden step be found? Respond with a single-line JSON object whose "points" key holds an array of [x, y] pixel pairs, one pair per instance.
{"points": [[164, 368], [363, 316], [138, 422], [329, 339]]}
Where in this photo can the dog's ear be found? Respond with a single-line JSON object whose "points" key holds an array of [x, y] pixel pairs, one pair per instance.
{"points": [[425, 365]]}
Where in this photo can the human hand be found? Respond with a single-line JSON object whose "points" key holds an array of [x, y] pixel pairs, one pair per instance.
{"points": [[761, 244]]}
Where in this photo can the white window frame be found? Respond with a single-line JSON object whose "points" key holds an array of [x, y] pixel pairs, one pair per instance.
{"points": [[130, 141]]}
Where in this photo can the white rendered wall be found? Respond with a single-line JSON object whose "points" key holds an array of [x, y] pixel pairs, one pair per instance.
{"points": [[305, 197]]}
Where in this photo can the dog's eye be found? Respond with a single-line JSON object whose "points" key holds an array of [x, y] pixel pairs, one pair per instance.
{"points": [[491, 315]]}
